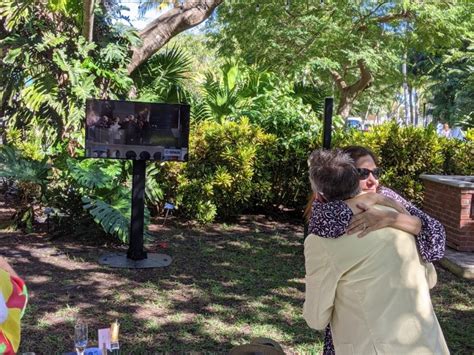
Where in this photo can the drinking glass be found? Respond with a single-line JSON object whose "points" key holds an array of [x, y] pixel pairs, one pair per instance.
{"points": [[80, 337]]}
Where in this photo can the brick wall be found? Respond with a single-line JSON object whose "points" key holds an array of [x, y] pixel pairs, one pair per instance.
{"points": [[454, 207]]}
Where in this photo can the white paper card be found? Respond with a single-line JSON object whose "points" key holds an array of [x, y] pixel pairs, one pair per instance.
{"points": [[104, 338]]}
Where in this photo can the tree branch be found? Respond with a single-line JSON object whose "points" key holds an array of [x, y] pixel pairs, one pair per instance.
{"points": [[339, 80], [88, 20], [360, 85], [156, 34], [392, 17], [373, 11], [364, 81], [350, 92], [362, 25]]}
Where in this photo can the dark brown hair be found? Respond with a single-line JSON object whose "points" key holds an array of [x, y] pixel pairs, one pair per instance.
{"points": [[356, 152]]}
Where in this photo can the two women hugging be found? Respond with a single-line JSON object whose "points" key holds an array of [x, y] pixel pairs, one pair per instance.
{"points": [[373, 291]]}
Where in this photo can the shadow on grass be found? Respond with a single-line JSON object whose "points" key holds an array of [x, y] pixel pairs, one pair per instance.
{"points": [[453, 298], [226, 285]]}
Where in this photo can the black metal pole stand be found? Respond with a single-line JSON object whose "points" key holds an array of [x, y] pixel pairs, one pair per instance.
{"points": [[135, 249], [327, 125], [136, 257]]}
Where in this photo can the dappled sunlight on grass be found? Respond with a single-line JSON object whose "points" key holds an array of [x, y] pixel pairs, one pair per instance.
{"points": [[224, 287]]}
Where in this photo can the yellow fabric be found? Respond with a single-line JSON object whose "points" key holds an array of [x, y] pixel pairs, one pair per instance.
{"points": [[6, 284], [374, 292], [11, 326]]}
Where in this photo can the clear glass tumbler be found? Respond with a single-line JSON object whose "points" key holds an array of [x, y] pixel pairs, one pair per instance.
{"points": [[80, 337]]}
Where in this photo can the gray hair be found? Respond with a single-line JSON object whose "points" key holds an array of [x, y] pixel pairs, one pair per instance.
{"points": [[333, 175]]}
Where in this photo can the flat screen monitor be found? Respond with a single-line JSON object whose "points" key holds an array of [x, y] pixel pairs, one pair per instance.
{"points": [[136, 130]]}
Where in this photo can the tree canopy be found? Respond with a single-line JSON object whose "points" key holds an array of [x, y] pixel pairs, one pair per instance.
{"points": [[353, 44]]}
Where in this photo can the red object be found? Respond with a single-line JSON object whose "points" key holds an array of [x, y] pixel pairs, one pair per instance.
{"points": [[163, 245]]}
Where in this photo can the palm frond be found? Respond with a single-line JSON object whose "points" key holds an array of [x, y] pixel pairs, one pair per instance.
{"points": [[200, 111], [148, 5], [162, 78], [311, 95]]}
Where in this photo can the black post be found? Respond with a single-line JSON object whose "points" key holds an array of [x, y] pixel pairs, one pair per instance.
{"points": [[327, 126], [135, 249]]}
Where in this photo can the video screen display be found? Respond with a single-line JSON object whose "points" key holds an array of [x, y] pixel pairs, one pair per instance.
{"points": [[137, 130]]}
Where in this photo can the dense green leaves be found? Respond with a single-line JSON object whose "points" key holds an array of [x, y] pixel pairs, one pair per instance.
{"points": [[162, 78], [29, 179], [93, 174], [452, 86], [327, 40], [256, 99], [106, 192], [18, 168], [407, 152], [221, 178], [47, 74]]}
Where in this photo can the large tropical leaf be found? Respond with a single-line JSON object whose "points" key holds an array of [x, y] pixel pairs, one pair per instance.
{"points": [[114, 220], [114, 217], [15, 12], [92, 174], [18, 168]]}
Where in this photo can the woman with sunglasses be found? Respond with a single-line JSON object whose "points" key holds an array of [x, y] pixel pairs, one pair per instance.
{"points": [[333, 219]]}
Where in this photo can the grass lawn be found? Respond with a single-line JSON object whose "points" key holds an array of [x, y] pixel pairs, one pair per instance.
{"points": [[227, 283]]}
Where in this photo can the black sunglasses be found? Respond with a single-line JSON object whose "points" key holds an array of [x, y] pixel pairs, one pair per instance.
{"points": [[364, 173]]}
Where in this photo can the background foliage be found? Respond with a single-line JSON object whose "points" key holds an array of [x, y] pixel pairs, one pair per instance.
{"points": [[256, 98]]}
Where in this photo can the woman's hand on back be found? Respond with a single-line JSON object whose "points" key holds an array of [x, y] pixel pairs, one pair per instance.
{"points": [[371, 219]]}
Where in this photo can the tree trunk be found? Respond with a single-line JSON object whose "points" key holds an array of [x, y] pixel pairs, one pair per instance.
{"points": [[410, 98], [405, 91], [416, 105], [88, 21], [168, 25], [348, 93], [345, 105]]}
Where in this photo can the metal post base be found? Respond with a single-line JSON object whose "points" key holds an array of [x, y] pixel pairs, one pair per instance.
{"points": [[120, 260]]}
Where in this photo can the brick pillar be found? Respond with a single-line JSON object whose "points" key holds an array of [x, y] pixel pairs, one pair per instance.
{"points": [[450, 200]]}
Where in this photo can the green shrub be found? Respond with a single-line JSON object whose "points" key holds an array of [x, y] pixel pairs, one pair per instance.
{"points": [[30, 177], [470, 134], [458, 157], [286, 168], [91, 197], [407, 152], [221, 178], [297, 131], [235, 167]]}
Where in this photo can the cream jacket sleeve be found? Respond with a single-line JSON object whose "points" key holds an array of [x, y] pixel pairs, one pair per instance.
{"points": [[319, 301]]}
